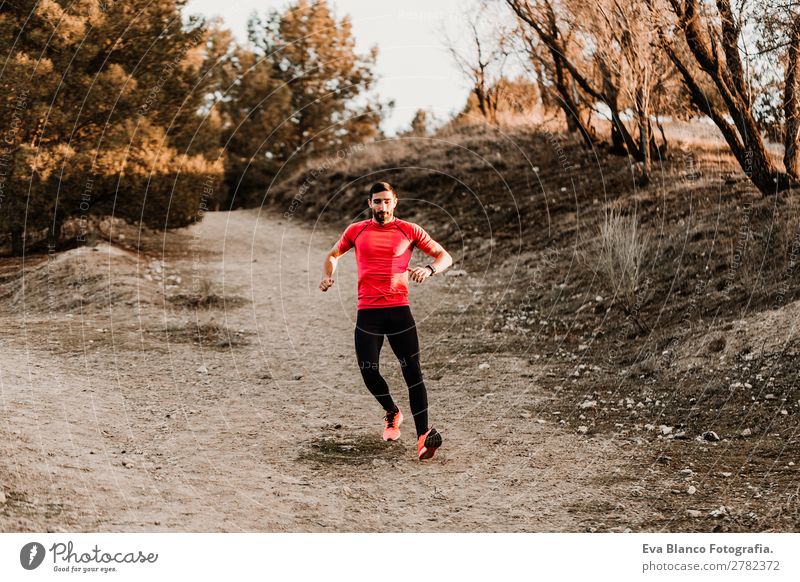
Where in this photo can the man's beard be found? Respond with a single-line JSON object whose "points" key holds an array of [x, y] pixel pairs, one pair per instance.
{"points": [[381, 217]]}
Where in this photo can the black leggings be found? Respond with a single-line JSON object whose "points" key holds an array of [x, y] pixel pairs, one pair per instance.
{"points": [[398, 324]]}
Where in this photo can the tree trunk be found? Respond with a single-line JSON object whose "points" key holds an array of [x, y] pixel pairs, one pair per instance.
{"points": [[628, 143], [743, 137], [645, 135], [617, 142], [569, 105], [573, 121], [17, 242], [658, 150], [566, 102], [791, 106], [491, 106], [610, 97], [644, 148], [481, 101]]}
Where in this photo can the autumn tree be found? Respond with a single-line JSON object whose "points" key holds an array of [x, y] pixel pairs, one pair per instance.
{"points": [[521, 98], [313, 54], [420, 124], [776, 68], [99, 99], [788, 25], [632, 65], [256, 133], [299, 88]]}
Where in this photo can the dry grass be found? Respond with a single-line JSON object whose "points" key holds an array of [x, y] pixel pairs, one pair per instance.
{"points": [[506, 121], [616, 256]]}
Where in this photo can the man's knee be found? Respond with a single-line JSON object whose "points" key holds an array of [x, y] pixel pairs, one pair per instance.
{"points": [[409, 362], [368, 367]]}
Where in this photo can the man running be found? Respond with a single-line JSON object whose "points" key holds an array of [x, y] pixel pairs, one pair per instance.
{"points": [[384, 245]]}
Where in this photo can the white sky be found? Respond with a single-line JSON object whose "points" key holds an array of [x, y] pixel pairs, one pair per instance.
{"points": [[414, 67]]}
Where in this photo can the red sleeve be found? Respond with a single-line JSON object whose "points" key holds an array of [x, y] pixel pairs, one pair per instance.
{"points": [[346, 241], [422, 239]]}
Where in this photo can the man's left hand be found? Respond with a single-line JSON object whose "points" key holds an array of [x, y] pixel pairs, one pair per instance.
{"points": [[419, 274]]}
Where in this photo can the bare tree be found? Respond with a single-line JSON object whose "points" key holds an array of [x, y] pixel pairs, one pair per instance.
{"points": [[549, 69], [791, 99], [624, 34], [544, 20], [484, 63], [707, 46], [605, 48]]}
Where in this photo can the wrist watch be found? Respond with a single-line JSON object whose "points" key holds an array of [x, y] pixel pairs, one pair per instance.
{"points": [[432, 268]]}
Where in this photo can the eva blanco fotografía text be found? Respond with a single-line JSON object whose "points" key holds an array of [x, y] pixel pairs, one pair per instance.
{"points": [[706, 549]]}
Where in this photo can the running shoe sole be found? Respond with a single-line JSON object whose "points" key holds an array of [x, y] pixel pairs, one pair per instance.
{"points": [[432, 442]]}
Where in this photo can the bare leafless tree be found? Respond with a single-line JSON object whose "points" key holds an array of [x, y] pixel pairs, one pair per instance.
{"points": [[546, 23], [706, 45], [625, 37], [607, 49], [791, 104], [483, 64], [549, 69]]}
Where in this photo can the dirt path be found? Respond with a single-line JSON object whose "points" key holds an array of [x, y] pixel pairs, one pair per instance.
{"points": [[107, 426]]}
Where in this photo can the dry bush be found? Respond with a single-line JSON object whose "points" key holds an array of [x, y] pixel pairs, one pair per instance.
{"points": [[616, 256]]}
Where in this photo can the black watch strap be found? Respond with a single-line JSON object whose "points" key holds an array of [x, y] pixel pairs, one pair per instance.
{"points": [[432, 268]]}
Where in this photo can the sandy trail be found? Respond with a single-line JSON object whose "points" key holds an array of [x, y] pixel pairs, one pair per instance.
{"points": [[120, 430]]}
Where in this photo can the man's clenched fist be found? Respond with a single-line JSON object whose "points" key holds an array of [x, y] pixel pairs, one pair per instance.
{"points": [[326, 284]]}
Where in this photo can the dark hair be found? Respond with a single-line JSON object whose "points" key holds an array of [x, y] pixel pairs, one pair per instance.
{"points": [[378, 187]]}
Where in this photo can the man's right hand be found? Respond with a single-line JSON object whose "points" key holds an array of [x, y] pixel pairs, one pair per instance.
{"points": [[326, 283]]}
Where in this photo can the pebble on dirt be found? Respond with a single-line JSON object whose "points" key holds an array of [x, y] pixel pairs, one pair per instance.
{"points": [[721, 511]]}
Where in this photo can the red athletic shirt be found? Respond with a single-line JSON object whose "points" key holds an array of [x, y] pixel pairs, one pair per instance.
{"points": [[383, 252]]}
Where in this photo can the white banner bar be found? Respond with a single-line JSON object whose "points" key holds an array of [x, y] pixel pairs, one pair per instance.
{"points": [[432, 557]]}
